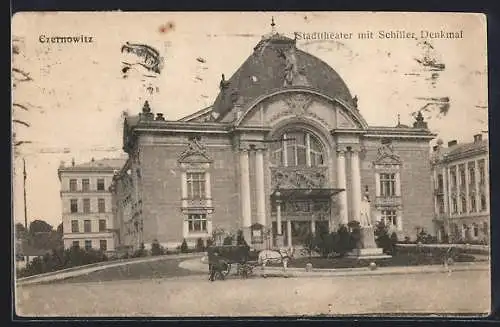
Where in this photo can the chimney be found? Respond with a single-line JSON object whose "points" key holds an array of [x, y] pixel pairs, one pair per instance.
{"points": [[478, 138], [452, 143]]}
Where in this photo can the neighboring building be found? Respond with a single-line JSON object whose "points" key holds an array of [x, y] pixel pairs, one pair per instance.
{"points": [[283, 142], [87, 205], [461, 190]]}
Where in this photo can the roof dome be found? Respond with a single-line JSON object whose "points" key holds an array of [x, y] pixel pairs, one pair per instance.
{"points": [[276, 63]]}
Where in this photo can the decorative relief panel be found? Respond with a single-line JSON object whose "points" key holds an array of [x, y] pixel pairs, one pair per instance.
{"points": [[195, 152], [290, 178], [298, 103]]}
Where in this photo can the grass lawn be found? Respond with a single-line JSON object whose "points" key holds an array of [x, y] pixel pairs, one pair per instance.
{"points": [[401, 258]]}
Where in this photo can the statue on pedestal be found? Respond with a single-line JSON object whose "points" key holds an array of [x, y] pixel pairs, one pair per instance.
{"points": [[365, 215], [367, 233]]}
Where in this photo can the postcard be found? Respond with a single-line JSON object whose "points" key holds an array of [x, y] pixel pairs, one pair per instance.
{"points": [[250, 164]]}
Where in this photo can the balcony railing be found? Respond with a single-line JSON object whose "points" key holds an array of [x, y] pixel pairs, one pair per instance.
{"points": [[388, 201]]}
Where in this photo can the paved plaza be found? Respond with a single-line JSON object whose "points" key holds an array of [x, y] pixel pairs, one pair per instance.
{"points": [[458, 291]]}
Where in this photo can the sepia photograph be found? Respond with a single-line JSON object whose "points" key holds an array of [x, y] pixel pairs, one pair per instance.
{"points": [[250, 164]]}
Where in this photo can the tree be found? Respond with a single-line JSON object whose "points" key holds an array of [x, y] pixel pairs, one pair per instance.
{"points": [[20, 231], [19, 75], [156, 248], [184, 246]]}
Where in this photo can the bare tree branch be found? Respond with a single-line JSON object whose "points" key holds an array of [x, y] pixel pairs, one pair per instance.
{"points": [[26, 76], [18, 143], [21, 122], [20, 106]]}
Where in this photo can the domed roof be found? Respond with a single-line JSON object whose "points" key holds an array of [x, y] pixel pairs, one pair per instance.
{"points": [[276, 63]]}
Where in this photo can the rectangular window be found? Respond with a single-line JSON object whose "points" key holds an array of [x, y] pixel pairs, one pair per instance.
{"points": [[85, 185], [389, 217], [88, 244], [72, 185], [73, 205], [440, 183], [196, 185], [87, 226], [441, 204], [103, 245], [74, 226], [76, 244], [463, 204], [462, 176], [454, 204], [101, 204], [102, 225], [86, 205], [472, 174], [453, 178], [483, 202], [482, 173], [387, 184], [472, 200], [197, 223], [100, 184]]}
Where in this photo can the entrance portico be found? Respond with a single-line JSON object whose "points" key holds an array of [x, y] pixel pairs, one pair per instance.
{"points": [[299, 212]]}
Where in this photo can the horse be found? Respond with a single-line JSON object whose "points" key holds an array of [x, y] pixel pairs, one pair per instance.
{"points": [[281, 256]]}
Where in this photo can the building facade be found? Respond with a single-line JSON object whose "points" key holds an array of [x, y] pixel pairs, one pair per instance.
{"points": [[87, 212], [284, 146], [461, 191]]}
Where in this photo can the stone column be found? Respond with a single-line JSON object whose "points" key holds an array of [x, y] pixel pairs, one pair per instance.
{"points": [[313, 225], [459, 195], [246, 213], [208, 189], [341, 183], [289, 232], [356, 184], [445, 192], [468, 205], [487, 183], [476, 186], [261, 196], [449, 192], [279, 232], [184, 191]]}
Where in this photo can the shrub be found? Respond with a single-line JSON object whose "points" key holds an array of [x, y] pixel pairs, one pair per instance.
{"points": [[228, 240], [184, 247], [200, 245], [382, 238], [342, 242], [156, 248], [62, 259], [141, 252], [310, 244], [240, 238]]}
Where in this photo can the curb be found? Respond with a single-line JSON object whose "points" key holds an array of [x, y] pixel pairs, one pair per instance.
{"points": [[86, 269], [300, 272]]}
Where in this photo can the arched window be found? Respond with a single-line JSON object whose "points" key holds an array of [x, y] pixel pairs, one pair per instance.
{"points": [[298, 148]]}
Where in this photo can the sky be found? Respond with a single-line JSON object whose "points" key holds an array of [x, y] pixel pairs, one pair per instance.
{"points": [[78, 93]]}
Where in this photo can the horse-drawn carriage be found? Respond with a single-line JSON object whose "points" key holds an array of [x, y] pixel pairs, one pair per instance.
{"points": [[222, 258]]}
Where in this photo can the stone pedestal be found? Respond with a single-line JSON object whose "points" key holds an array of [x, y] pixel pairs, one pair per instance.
{"points": [[367, 248], [279, 241], [367, 238]]}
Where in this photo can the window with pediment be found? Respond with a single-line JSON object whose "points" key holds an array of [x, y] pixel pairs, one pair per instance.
{"points": [[196, 199], [298, 148]]}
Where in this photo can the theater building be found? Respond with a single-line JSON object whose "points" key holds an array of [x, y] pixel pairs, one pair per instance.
{"points": [[461, 190], [284, 145]]}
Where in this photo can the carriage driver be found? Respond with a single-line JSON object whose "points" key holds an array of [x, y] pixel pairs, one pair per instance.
{"points": [[217, 267]]}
